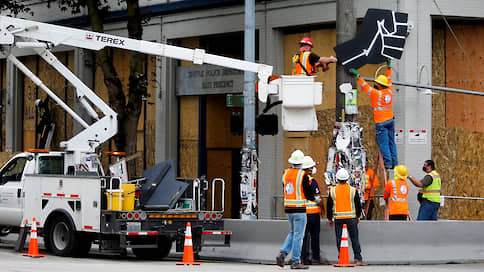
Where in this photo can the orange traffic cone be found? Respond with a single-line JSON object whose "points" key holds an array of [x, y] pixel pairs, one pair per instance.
{"points": [[344, 253], [33, 246], [188, 248]]}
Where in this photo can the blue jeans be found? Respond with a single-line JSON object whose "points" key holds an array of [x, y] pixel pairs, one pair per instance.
{"points": [[428, 210], [385, 137], [311, 236], [352, 226], [293, 242]]}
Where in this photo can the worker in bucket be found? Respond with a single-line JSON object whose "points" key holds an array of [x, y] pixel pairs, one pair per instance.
{"points": [[306, 62], [297, 191], [396, 193], [313, 213], [382, 103], [344, 207]]}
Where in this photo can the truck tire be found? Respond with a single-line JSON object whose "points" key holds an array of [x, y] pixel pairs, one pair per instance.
{"points": [[61, 238], [159, 253]]}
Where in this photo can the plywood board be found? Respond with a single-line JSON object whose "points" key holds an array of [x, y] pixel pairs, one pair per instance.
{"points": [[218, 124], [219, 164], [438, 77], [465, 110]]}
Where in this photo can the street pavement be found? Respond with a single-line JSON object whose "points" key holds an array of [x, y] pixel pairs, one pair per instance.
{"points": [[11, 261]]}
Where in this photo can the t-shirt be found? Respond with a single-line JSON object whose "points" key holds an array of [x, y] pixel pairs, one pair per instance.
{"points": [[313, 58]]}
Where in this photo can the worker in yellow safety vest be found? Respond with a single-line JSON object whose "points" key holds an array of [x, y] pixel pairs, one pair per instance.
{"points": [[396, 193], [344, 207], [382, 103], [314, 211], [429, 193], [306, 62], [297, 191]]}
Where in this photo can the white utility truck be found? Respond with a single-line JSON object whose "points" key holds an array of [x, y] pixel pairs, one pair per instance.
{"points": [[73, 201]]}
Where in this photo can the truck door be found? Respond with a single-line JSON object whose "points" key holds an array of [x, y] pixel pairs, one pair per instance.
{"points": [[11, 199]]}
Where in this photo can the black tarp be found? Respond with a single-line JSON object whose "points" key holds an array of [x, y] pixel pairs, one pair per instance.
{"points": [[381, 35], [161, 190]]}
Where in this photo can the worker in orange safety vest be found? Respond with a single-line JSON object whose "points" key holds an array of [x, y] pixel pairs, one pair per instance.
{"points": [[344, 207], [396, 193], [297, 192], [382, 103], [306, 62], [313, 212], [370, 190]]}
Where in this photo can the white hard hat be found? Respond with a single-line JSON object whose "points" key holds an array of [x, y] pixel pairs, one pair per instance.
{"points": [[308, 162], [342, 174], [297, 157]]}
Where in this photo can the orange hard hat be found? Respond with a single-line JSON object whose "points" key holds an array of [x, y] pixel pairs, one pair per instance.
{"points": [[306, 40]]}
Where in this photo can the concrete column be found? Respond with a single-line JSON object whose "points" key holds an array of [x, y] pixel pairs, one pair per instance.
{"points": [[166, 110], [271, 148], [14, 109], [414, 109]]}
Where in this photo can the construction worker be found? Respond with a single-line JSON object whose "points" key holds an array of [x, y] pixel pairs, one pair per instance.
{"points": [[429, 193], [396, 192], [382, 100], [313, 214], [297, 191], [344, 207], [306, 62], [371, 182]]}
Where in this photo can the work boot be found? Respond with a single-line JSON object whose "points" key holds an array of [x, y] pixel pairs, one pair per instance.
{"points": [[280, 259], [299, 266], [359, 263]]}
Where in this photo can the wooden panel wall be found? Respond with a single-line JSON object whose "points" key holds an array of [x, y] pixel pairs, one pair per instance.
{"points": [[457, 137], [218, 124], [189, 127], [465, 110]]}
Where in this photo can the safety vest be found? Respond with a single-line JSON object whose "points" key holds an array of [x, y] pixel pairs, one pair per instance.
{"points": [[432, 192], [369, 193], [343, 196], [300, 60], [381, 100], [312, 207], [293, 189], [398, 197]]}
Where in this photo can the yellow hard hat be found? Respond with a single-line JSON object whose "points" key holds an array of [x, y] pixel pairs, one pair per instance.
{"points": [[401, 172], [382, 80]]}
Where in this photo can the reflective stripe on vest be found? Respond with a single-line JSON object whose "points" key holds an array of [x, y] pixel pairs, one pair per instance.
{"points": [[302, 59], [343, 207], [432, 192], [395, 198], [380, 113], [293, 192], [312, 207]]}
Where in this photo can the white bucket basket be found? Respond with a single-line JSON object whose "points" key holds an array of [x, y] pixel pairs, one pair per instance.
{"points": [[299, 95]]}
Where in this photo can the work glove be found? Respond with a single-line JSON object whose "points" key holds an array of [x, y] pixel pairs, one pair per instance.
{"points": [[389, 62], [354, 72]]}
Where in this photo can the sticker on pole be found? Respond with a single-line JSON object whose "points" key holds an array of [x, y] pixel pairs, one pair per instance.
{"points": [[399, 136], [417, 136]]}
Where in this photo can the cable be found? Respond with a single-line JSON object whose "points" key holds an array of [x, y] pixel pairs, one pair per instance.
{"points": [[459, 44]]}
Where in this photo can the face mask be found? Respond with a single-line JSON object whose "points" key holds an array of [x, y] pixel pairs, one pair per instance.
{"points": [[313, 172], [424, 169]]}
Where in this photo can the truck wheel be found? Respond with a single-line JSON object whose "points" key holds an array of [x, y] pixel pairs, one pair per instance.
{"points": [[61, 237], [164, 247]]}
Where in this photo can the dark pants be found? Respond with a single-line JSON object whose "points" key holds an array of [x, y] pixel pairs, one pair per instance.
{"points": [[352, 226], [396, 217], [428, 210], [313, 228], [371, 205]]}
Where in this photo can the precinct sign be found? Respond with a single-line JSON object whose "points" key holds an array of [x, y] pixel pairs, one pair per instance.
{"points": [[208, 79]]}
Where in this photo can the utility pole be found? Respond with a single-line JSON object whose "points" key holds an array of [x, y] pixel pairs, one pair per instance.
{"points": [[248, 173], [345, 31]]}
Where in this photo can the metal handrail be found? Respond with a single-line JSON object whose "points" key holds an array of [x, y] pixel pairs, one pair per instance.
{"points": [[223, 193]]}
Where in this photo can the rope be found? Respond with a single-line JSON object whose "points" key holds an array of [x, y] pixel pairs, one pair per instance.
{"points": [[459, 44]]}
